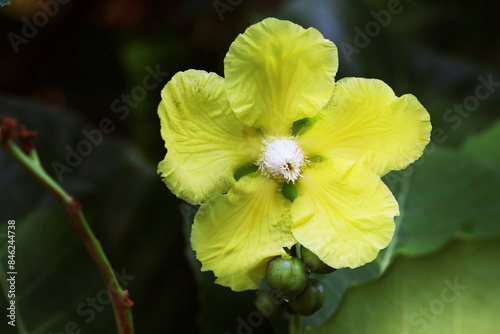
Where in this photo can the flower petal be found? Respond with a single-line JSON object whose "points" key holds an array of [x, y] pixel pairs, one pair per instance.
{"points": [[343, 213], [365, 121], [235, 235], [205, 141], [277, 72]]}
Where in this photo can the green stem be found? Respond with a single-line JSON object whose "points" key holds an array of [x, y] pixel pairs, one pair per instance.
{"points": [[295, 324], [299, 250], [120, 301]]}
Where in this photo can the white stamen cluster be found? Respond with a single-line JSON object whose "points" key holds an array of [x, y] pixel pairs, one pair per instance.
{"points": [[281, 158]]}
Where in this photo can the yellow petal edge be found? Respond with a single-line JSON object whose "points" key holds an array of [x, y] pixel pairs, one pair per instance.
{"points": [[205, 142], [344, 213], [235, 235], [277, 72], [365, 121]]}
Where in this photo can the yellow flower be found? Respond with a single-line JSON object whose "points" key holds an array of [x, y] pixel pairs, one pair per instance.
{"points": [[353, 132]]}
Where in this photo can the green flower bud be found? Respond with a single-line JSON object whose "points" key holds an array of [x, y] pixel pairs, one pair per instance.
{"points": [[269, 303], [313, 262], [288, 276], [311, 300]]}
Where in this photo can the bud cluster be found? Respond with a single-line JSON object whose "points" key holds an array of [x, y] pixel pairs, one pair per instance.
{"points": [[292, 288]]}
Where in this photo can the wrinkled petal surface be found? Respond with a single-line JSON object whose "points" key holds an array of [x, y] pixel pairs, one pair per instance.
{"points": [[344, 213], [206, 143], [235, 235], [365, 121], [278, 72]]}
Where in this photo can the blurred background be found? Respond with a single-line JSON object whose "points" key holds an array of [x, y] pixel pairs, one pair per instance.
{"points": [[65, 66]]}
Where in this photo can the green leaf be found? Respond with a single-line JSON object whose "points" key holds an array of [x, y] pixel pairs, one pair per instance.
{"points": [[447, 196], [484, 147], [54, 278], [132, 214], [432, 294]]}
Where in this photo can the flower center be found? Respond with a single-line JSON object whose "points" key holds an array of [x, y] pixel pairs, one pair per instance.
{"points": [[281, 158]]}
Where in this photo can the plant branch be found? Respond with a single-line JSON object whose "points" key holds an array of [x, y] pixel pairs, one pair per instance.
{"points": [[295, 324], [120, 298]]}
